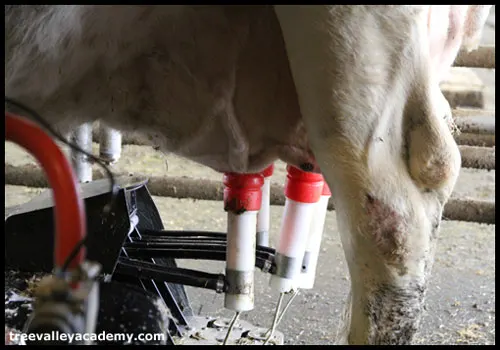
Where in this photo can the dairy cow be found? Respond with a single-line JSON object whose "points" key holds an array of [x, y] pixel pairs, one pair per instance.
{"points": [[351, 91]]}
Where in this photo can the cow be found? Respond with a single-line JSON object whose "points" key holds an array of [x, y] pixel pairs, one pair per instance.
{"points": [[348, 91]]}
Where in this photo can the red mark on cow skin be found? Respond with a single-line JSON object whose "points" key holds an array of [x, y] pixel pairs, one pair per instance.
{"points": [[388, 228]]}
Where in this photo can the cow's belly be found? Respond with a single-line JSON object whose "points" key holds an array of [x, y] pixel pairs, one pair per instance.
{"points": [[211, 83]]}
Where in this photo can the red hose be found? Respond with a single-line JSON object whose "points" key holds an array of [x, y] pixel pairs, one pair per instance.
{"points": [[70, 220]]}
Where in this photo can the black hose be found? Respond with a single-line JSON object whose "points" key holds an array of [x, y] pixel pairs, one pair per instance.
{"points": [[174, 233], [196, 236], [264, 261], [188, 245], [143, 269]]}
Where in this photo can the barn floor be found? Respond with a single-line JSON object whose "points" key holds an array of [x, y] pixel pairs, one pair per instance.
{"points": [[461, 296]]}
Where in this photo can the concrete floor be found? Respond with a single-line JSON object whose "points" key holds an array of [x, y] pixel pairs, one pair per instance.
{"points": [[461, 297]]}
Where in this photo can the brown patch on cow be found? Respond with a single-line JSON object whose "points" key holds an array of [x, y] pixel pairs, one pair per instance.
{"points": [[389, 231]]}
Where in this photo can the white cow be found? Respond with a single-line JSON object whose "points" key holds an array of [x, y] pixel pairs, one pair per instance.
{"points": [[352, 90]]}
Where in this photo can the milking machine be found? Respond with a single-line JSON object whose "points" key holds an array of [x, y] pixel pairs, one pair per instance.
{"points": [[110, 143], [82, 165], [125, 251]]}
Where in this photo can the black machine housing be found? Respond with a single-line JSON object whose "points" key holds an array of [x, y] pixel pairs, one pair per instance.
{"points": [[139, 270]]}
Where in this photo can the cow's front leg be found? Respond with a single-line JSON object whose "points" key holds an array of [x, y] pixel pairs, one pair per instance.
{"points": [[377, 132]]}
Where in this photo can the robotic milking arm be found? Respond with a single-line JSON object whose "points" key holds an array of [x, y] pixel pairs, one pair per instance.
{"points": [[68, 300]]}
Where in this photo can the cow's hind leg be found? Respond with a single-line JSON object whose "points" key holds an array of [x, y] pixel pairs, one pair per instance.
{"points": [[376, 129]]}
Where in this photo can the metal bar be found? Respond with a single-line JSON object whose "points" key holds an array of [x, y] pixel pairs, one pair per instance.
{"points": [[469, 210], [150, 286], [483, 57], [476, 124], [459, 113], [162, 289], [182, 187], [165, 291], [478, 157], [479, 140], [477, 127]]}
